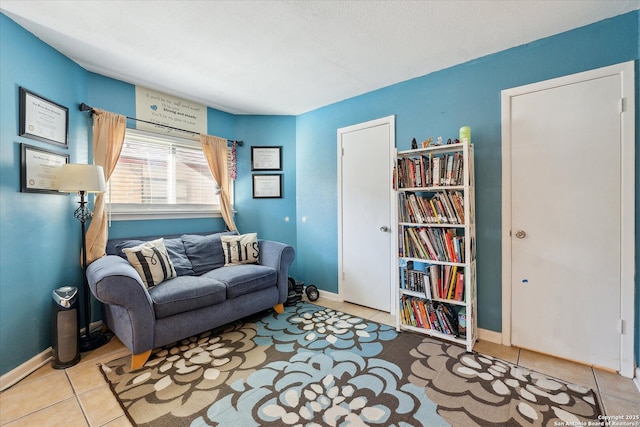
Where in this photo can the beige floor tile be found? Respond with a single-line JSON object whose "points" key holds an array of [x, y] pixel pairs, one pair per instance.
{"points": [[336, 305], [558, 368], [42, 371], [503, 352], [64, 414], [100, 406], [358, 310], [122, 421], [113, 346], [615, 385], [615, 406], [32, 396], [85, 377], [384, 318]]}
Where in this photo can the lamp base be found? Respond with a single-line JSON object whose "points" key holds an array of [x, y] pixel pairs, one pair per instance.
{"points": [[93, 341]]}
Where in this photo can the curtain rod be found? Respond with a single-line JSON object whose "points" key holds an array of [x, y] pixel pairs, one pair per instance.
{"points": [[85, 107]]}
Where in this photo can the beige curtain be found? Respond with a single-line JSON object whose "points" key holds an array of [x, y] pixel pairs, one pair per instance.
{"points": [[215, 150], [108, 138]]}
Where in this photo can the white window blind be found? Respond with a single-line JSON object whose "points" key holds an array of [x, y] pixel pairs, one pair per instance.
{"points": [[160, 176]]}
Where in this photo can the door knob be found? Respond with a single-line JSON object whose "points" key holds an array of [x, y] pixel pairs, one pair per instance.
{"points": [[384, 228], [521, 234]]}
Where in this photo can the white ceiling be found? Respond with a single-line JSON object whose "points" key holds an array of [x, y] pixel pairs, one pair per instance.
{"points": [[290, 57]]}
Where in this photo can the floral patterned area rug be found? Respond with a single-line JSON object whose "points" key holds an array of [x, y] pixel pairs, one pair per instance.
{"points": [[314, 366]]}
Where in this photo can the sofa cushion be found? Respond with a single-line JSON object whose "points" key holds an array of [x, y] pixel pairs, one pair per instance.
{"points": [[244, 279], [242, 249], [205, 252], [151, 261], [175, 249], [186, 293]]}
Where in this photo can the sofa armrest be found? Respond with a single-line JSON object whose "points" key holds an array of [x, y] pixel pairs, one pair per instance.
{"points": [[278, 256], [114, 282]]}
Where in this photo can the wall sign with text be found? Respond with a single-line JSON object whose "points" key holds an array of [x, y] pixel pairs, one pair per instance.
{"points": [[156, 107]]}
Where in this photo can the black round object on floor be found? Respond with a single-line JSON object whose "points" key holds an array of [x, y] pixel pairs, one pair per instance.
{"points": [[312, 293], [292, 299]]}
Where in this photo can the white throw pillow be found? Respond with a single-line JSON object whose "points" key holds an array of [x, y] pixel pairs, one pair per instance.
{"points": [[151, 261], [242, 249]]}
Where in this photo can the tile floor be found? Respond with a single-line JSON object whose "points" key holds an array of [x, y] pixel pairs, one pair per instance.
{"points": [[79, 396]]}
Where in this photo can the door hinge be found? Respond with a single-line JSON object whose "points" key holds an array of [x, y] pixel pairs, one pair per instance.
{"points": [[620, 326], [621, 105]]}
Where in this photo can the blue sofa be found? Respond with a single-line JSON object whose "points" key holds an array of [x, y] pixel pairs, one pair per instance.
{"points": [[204, 295]]}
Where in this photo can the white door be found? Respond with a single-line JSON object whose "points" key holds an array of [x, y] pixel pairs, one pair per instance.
{"points": [[366, 203], [566, 214]]}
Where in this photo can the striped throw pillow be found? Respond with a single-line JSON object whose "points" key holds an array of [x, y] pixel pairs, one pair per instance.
{"points": [[151, 261]]}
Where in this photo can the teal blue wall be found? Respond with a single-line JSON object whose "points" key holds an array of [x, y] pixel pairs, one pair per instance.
{"points": [[437, 105], [39, 237], [39, 230], [268, 217]]}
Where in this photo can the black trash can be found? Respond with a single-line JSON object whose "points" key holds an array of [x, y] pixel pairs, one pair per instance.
{"points": [[65, 330]]}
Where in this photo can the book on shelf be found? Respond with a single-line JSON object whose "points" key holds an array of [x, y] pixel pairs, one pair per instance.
{"points": [[462, 322], [433, 317], [448, 180], [436, 279], [452, 282], [435, 168], [459, 292]]}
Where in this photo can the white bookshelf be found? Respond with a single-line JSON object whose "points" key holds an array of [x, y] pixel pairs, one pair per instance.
{"points": [[436, 238]]}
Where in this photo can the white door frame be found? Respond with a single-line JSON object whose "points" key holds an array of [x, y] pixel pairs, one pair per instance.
{"points": [[391, 121], [627, 164]]}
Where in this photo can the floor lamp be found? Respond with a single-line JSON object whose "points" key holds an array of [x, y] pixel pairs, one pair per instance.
{"points": [[83, 179]]}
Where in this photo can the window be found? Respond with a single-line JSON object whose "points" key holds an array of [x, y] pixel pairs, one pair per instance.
{"points": [[160, 176]]}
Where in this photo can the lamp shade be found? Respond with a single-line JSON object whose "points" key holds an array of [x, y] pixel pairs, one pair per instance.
{"points": [[73, 178]]}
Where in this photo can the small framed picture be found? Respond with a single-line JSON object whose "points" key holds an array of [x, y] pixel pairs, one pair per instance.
{"points": [[267, 186], [39, 170], [43, 119], [266, 158]]}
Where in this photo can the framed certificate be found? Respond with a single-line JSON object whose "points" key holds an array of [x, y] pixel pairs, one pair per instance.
{"points": [[39, 170], [43, 119], [266, 158], [267, 186]]}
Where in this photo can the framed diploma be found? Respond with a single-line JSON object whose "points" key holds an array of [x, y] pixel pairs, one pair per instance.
{"points": [[266, 158], [267, 186], [43, 119], [39, 170]]}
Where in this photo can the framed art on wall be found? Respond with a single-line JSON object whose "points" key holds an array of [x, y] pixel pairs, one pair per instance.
{"points": [[266, 158], [39, 169], [43, 119], [267, 186]]}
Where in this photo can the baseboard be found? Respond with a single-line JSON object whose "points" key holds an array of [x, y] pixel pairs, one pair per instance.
{"points": [[490, 336], [30, 366], [18, 374], [636, 380], [329, 295]]}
